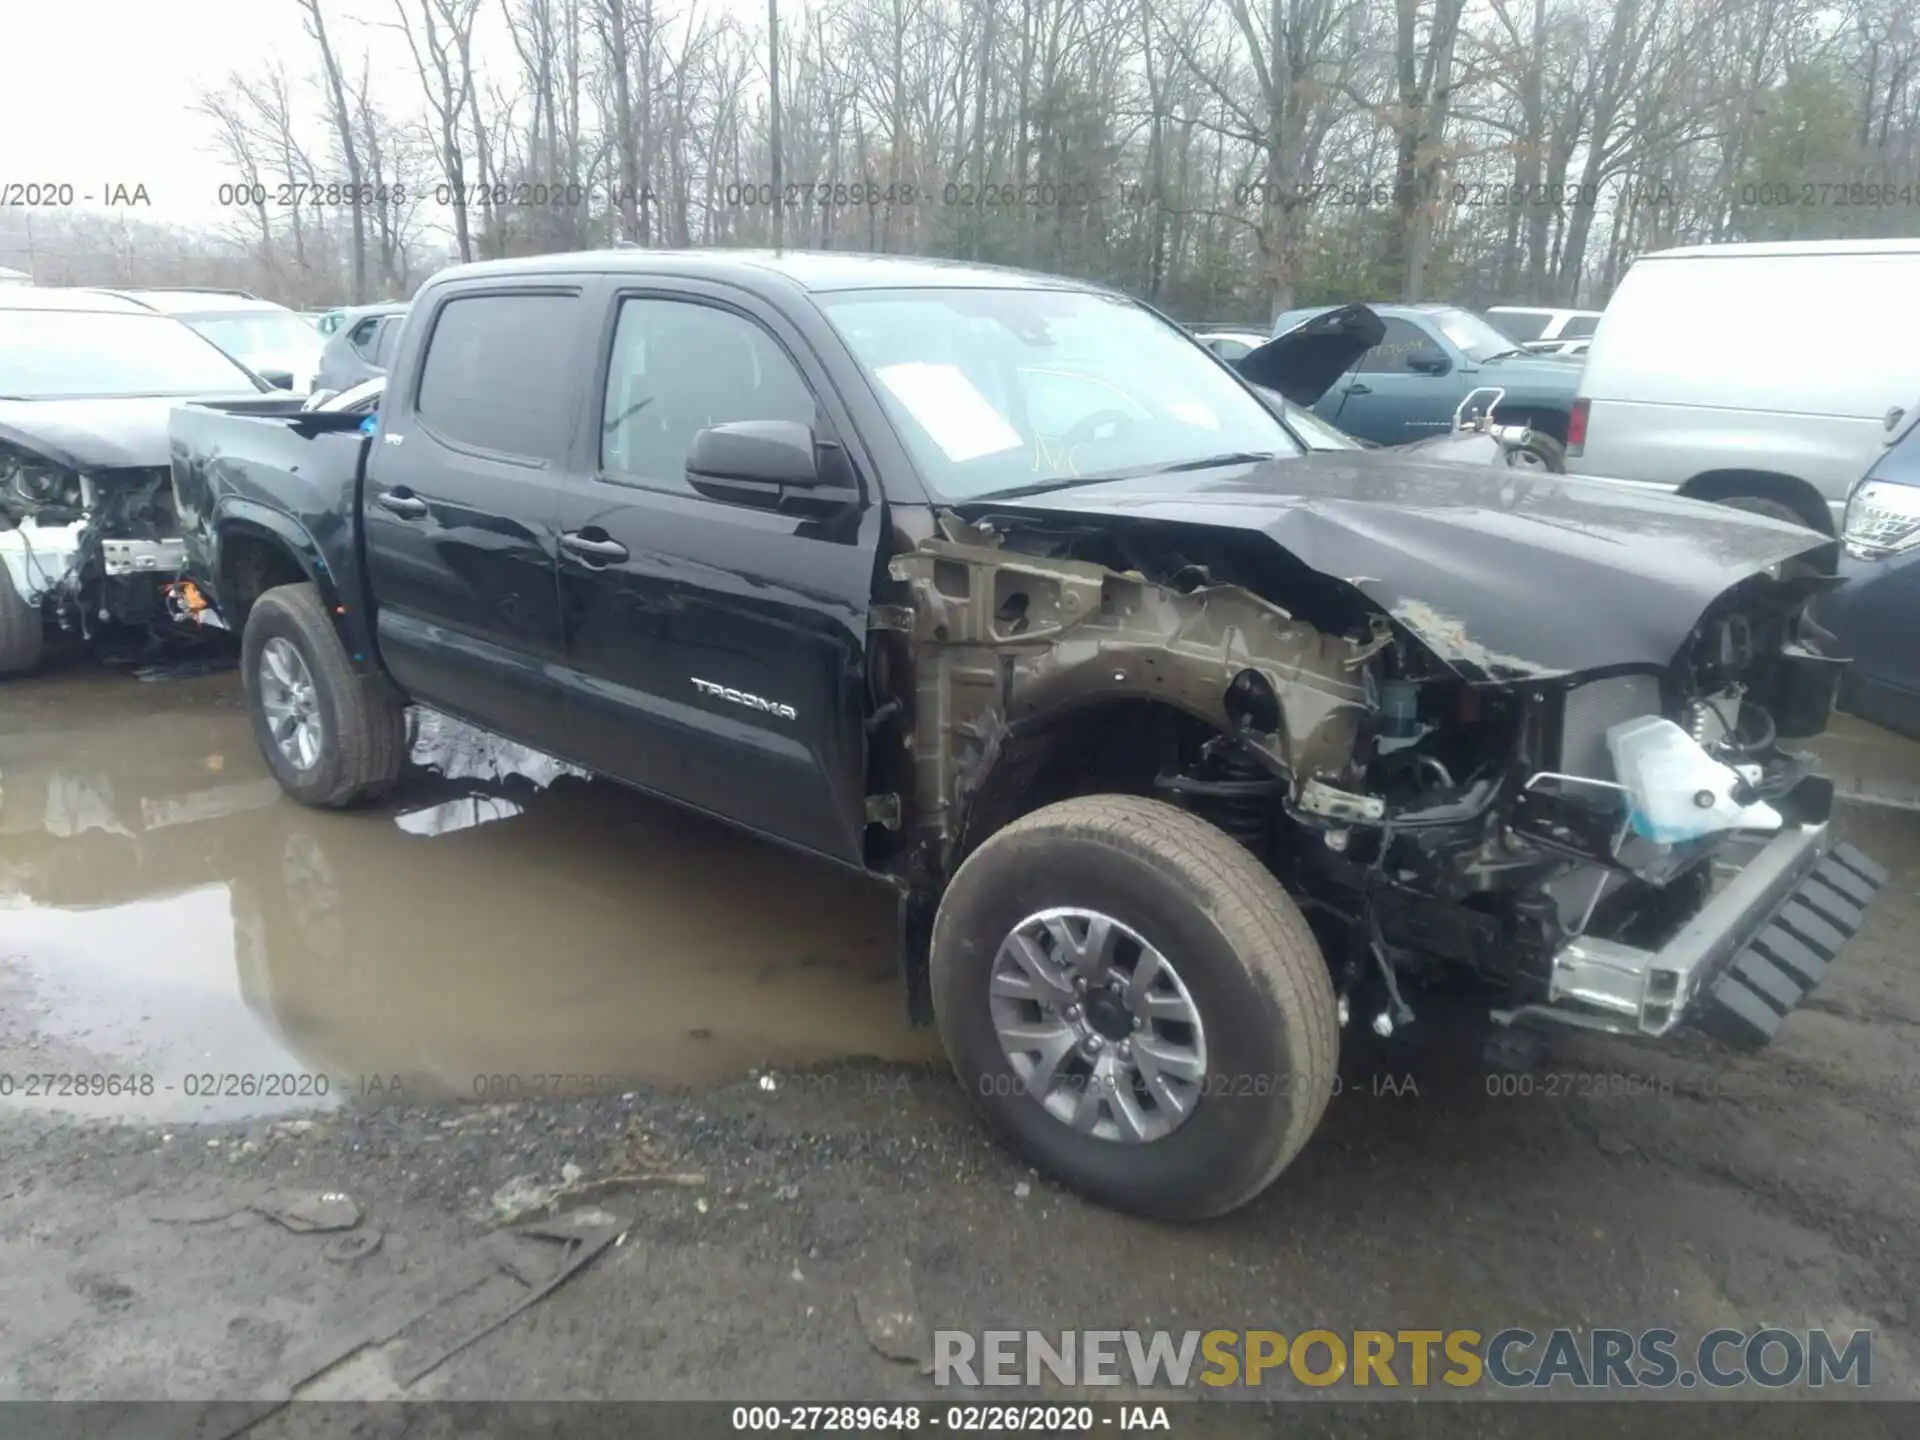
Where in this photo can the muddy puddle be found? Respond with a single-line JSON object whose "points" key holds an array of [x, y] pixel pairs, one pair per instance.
{"points": [[177, 941]]}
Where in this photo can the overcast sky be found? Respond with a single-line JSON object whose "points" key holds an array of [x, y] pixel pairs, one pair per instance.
{"points": [[107, 94]]}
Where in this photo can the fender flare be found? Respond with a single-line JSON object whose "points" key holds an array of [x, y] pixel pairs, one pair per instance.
{"points": [[238, 516]]}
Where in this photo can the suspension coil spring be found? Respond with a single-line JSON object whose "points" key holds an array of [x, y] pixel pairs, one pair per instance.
{"points": [[1242, 806]]}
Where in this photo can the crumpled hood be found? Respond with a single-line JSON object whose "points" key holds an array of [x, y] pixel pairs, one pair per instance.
{"points": [[93, 434], [1504, 574]]}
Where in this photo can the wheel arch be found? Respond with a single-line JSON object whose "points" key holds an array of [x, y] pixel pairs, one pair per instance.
{"points": [[1788, 490], [258, 548]]}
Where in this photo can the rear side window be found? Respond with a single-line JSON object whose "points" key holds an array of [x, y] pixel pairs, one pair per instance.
{"points": [[496, 373], [361, 336], [1580, 327], [383, 345]]}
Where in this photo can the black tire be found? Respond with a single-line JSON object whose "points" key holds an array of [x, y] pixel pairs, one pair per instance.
{"points": [[1548, 452], [23, 634], [1760, 505], [1239, 943], [362, 722]]}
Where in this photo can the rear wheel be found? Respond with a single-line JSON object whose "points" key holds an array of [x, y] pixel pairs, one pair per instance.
{"points": [[22, 632], [1135, 1005], [332, 738], [1541, 452]]}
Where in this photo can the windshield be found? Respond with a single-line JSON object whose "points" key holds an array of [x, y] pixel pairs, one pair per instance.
{"points": [[1519, 326], [261, 336], [77, 354], [998, 389], [1474, 337]]}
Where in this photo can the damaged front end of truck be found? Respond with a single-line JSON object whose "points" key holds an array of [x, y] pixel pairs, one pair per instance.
{"points": [[1514, 731]]}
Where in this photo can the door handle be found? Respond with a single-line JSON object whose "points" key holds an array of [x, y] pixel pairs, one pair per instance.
{"points": [[401, 502], [585, 545], [1359, 388]]}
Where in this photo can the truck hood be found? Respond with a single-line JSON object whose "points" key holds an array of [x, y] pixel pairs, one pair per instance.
{"points": [[1303, 363], [110, 434], [1503, 574]]}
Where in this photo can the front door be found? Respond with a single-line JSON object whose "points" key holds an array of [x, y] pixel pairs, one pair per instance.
{"points": [[716, 652], [459, 505], [1393, 394]]}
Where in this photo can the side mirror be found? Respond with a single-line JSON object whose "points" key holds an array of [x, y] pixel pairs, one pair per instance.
{"points": [[278, 379], [770, 465], [1425, 363]]}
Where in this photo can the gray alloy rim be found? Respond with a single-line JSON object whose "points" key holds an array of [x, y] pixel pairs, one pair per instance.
{"points": [[1098, 1026], [291, 705]]}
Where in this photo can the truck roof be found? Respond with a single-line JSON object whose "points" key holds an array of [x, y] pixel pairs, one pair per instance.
{"points": [[1787, 247], [812, 270]]}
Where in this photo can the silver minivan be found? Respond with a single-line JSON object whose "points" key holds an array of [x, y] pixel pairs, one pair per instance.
{"points": [[1757, 375]]}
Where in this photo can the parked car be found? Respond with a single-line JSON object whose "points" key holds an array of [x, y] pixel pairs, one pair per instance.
{"points": [[1543, 329], [360, 346], [88, 533], [325, 321], [1876, 613], [269, 339], [1408, 386], [1292, 371], [1177, 744], [1757, 375]]}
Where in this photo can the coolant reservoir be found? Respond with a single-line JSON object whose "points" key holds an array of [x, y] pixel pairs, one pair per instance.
{"points": [[1680, 792]]}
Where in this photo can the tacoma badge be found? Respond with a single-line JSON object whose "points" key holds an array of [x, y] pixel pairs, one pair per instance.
{"points": [[741, 697]]}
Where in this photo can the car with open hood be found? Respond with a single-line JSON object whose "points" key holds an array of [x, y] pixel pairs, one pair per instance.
{"points": [[1429, 358], [1180, 746], [1295, 369], [88, 533]]}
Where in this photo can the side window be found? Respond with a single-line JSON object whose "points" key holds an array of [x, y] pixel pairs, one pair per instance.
{"points": [[388, 332], [679, 367], [1580, 327], [1230, 349], [496, 373], [1402, 342], [361, 336]]}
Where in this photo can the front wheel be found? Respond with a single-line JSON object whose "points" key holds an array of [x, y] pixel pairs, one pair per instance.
{"points": [[332, 738], [1135, 1005]]}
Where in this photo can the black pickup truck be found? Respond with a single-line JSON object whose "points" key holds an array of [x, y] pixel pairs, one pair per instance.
{"points": [[1179, 745]]}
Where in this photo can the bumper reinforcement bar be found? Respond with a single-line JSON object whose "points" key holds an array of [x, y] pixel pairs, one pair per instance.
{"points": [[1755, 950]]}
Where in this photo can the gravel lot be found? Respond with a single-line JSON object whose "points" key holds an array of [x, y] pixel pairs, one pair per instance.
{"points": [[780, 1156]]}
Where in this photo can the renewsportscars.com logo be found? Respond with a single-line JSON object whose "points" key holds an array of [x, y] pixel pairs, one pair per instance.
{"points": [[1515, 1358]]}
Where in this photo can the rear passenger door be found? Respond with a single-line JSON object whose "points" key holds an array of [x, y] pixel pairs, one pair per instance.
{"points": [[459, 500], [716, 652]]}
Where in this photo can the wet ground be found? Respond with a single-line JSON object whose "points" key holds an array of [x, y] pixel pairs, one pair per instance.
{"points": [[504, 925], [280, 1004]]}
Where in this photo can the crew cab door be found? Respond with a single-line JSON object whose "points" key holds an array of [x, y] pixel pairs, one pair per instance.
{"points": [[715, 652], [458, 504], [1405, 388]]}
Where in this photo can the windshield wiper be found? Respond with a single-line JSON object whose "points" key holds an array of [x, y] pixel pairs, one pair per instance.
{"points": [[1070, 482], [1235, 457]]}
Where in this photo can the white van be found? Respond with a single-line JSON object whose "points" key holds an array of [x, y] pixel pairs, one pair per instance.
{"points": [[1758, 375]]}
